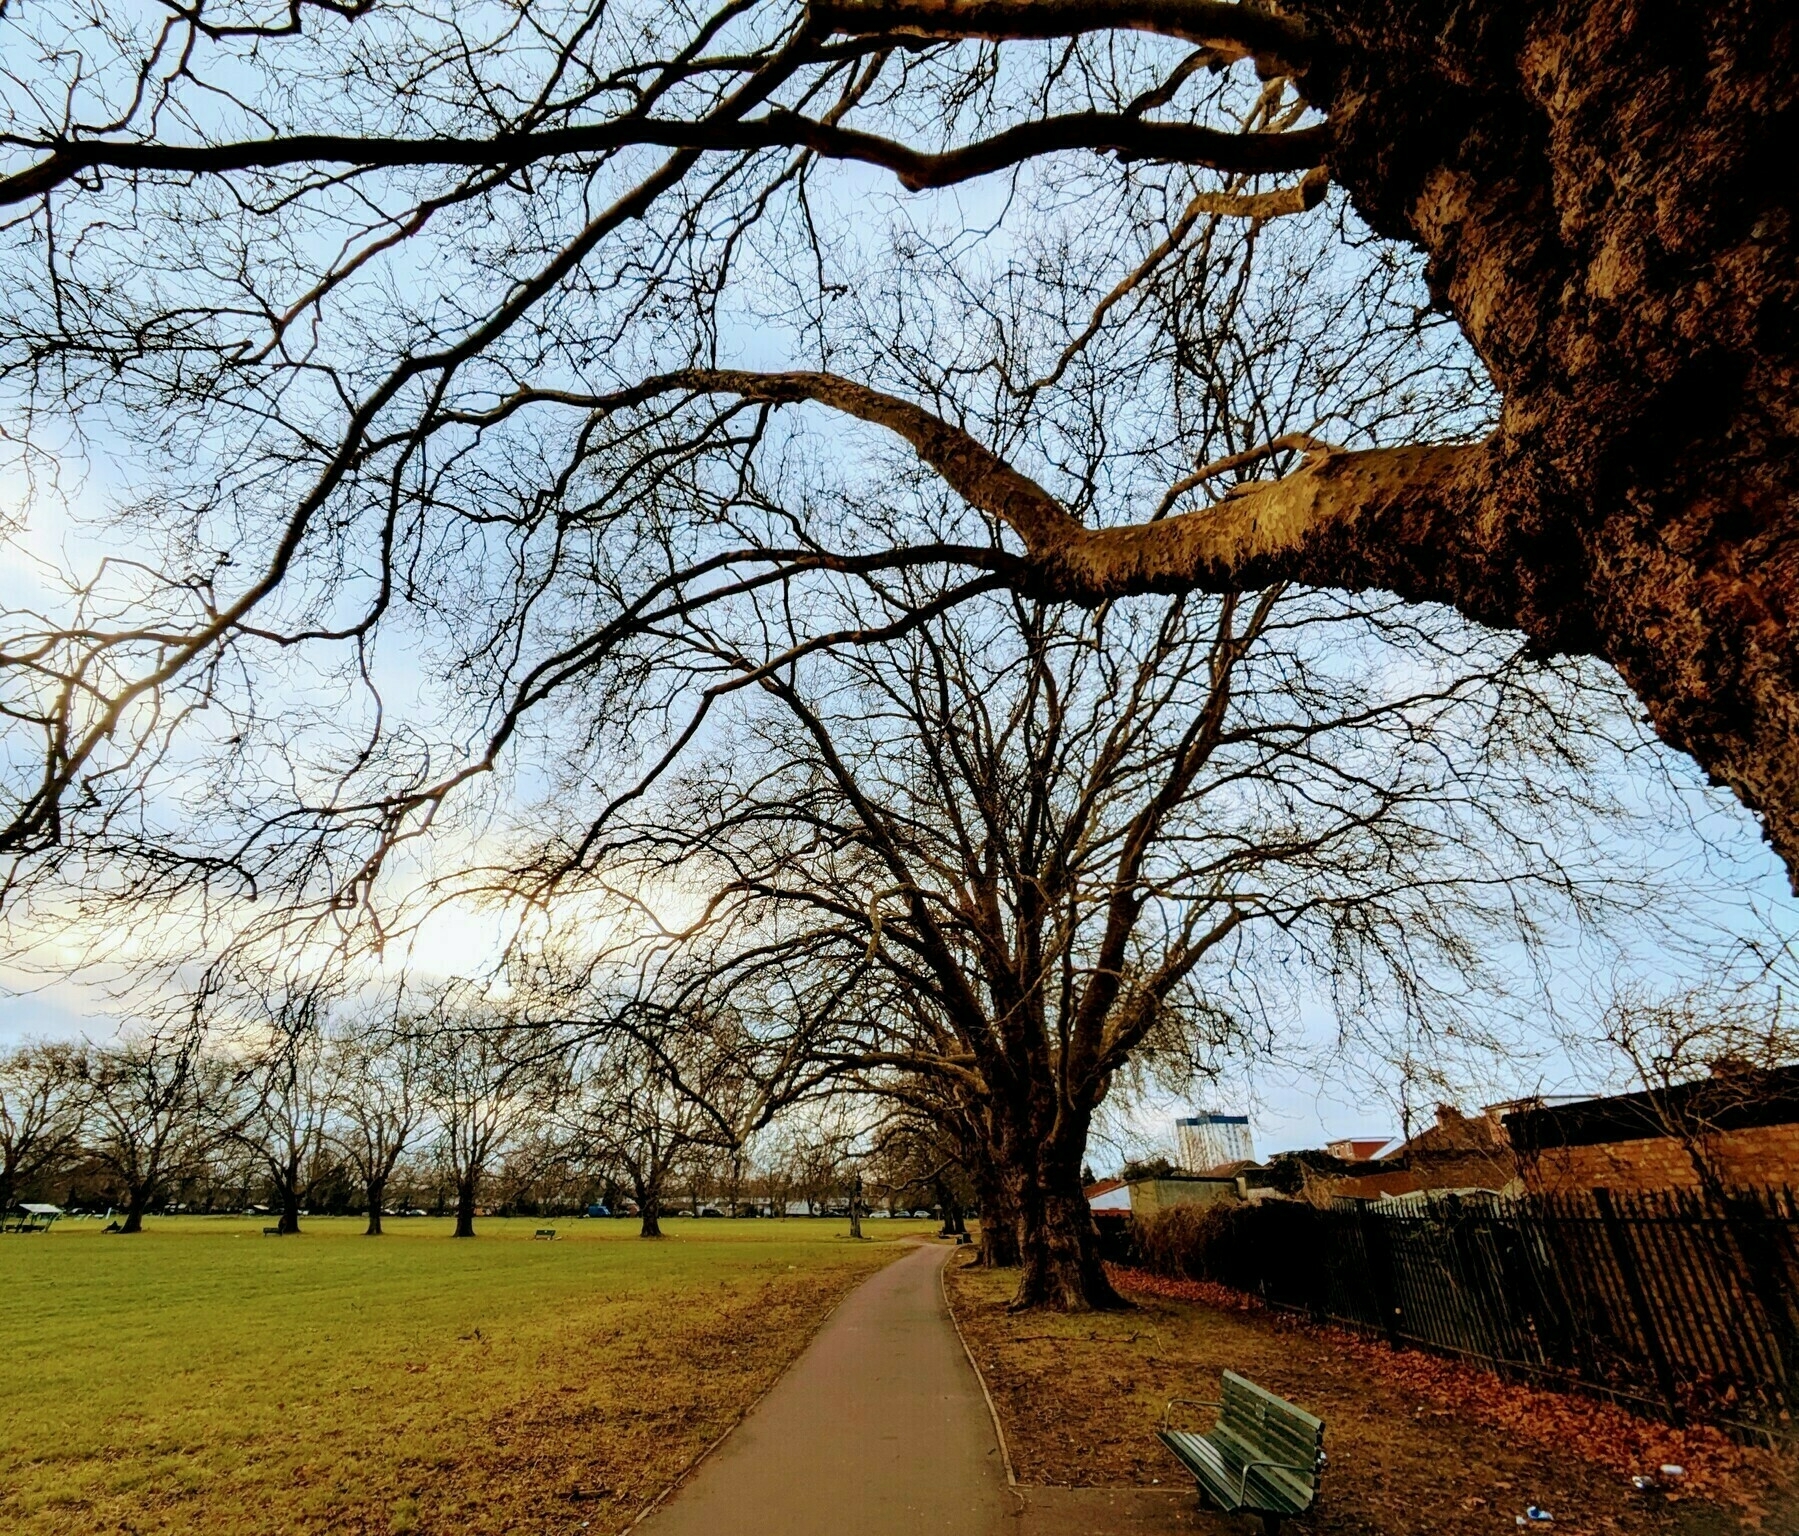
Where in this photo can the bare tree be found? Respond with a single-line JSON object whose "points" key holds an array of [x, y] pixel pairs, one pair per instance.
{"points": [[487, 1075], [662, 1091], [1021, 852], [380, 1094], [40, 1114], [916, 1162], [148, 1100], [414, 362], [1704, 1062], [291, 1086]]}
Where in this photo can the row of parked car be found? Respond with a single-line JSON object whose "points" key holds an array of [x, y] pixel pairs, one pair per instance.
{"points": [[842, 1212]]}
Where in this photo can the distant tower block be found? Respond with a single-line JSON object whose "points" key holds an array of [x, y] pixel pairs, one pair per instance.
{"points": [[1211, 1140]]}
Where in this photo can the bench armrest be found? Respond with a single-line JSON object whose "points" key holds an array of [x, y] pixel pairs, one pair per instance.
{"points": [[1186, 1402]]}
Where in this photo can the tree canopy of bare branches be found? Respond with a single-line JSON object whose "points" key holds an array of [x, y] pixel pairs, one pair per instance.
{"points": [[459, 357], [1022, 851]]}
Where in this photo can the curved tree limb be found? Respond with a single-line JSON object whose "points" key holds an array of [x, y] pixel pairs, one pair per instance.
{"points": [[1278, 43], [1404, 519]]}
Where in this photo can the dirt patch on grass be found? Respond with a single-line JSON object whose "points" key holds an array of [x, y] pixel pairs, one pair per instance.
{"points": [[1418, 1447]]}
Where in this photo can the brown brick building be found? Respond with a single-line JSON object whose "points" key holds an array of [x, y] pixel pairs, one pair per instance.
{"points": [[1744, 1126]]}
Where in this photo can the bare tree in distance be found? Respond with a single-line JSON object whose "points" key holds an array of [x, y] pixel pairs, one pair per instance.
{"points": [[487, 1074], [291, 1085], [41, 1113], [1704, 1062], [1022, 851], [405, 361], [381, 1100], [665, 1084], [149, 1099], [914, 1162]]}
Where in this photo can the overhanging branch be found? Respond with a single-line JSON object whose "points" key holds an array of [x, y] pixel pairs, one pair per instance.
{"points": [[1405, 520], [1231, 31], [1118, 133]]}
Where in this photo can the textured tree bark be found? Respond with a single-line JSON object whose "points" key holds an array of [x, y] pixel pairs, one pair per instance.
{"points": [[465, 1208], [376, 1191], [999, 1215], [1038, 1148], [1058, 1249], [137, 1202], [1604, 192], [1603, 189]]}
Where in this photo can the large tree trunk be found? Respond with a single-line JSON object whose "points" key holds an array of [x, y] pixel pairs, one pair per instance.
{"points": [[1605, 194], [951, 1207], [999, 1216], [1037, 1152], [377, 1192], [465, 1207], [288, 1222], [649, 1210], [137, 1201], [1058, 1248]]}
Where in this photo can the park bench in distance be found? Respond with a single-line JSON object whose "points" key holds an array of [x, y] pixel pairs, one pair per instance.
{"points": [[1263, 1456], [548, 1234]]}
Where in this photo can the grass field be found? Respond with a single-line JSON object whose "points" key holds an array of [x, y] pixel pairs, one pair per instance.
{"points": [[201, 1378]]}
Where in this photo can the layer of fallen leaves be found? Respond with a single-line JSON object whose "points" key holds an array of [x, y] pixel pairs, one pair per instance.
{"points": [[1081, 1396], [1716, 1467]]}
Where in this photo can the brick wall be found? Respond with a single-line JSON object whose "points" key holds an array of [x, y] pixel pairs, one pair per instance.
{"points": [[1764, 1155]]}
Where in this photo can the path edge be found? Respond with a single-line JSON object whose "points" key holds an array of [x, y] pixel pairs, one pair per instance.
{"points": [[680, 1478], [999, 1429]]}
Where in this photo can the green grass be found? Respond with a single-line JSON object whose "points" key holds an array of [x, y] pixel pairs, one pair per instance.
{"points": [[201, 1378]]}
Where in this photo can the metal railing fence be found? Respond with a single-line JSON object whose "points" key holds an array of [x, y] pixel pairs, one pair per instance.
{"points": [[1684, 1306]]}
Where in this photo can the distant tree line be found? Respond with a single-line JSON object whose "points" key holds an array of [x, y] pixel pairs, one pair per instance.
{"points": [[450, 1110]]}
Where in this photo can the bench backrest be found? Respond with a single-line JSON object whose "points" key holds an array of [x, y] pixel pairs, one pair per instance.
{"points": [[1269, 1428]]}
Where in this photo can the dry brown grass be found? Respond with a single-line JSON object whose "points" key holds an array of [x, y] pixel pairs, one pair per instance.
{"points": [[1080, 1397]]}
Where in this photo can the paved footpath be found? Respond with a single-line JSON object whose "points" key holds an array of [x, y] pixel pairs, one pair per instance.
{"points": [[878, 1429]]}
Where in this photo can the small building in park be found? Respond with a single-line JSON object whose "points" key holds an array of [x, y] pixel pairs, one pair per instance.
{"points": [[1120, 1199], [1109, 1197], [1742, 1123]]}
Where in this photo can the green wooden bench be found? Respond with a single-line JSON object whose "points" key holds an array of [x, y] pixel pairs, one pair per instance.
{"points": [[1263, 1456]]}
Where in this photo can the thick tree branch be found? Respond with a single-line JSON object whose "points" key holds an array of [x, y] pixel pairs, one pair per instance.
{"points": [[1231, 31], [1406, 520], [1119, 133]]}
